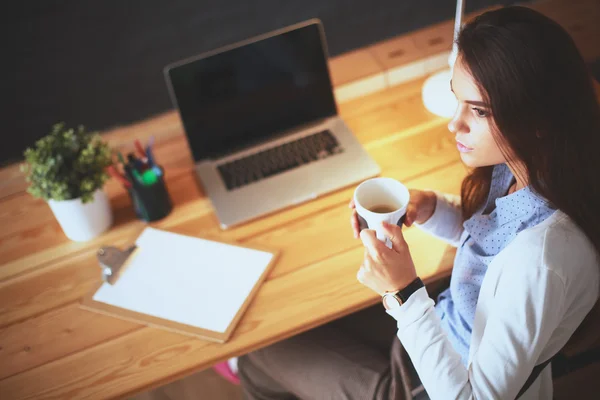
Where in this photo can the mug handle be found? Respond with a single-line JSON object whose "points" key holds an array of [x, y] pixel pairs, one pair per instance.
{"points": [[362, 223]]}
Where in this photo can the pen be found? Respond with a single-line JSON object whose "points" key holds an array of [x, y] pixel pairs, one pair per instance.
{"points": [[129, 172], [136, 162], [139, 148], [150, 156]]}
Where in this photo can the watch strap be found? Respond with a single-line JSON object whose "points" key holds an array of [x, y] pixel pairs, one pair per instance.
{"points": [[412, 287]]}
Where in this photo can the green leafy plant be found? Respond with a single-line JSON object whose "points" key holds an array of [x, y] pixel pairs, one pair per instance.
{"points": [[67, 164]]}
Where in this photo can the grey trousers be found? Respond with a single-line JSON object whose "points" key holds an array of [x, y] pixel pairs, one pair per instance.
{"points": [[356, 357]]}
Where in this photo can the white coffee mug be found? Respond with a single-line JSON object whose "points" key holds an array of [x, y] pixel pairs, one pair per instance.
{"points": [[381, 199]]}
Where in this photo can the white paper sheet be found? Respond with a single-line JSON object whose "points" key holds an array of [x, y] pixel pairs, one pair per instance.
{"points": [[188, 280]]}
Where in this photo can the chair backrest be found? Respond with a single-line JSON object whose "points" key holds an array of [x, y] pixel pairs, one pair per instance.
{"points": [[586, 336]]}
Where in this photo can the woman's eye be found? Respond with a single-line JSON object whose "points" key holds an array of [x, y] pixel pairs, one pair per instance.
{"points": [[480, 113]]}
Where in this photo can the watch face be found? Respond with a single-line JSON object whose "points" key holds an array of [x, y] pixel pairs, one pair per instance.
{"points": [[390, 302]]}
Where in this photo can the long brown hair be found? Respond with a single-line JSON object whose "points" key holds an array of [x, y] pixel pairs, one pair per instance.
{"points": [[544, 108]]}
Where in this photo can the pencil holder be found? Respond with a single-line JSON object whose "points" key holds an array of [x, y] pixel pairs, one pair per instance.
{"points": [[151, 202]]}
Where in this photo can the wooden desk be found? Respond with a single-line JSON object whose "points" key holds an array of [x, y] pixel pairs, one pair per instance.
{"points": [[50, 348]]}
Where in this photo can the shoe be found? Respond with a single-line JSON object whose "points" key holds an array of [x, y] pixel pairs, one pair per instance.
{"points": [[223, 369]]}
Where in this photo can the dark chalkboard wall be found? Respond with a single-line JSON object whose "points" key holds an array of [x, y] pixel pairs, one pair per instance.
{"points": [[99, 63]]}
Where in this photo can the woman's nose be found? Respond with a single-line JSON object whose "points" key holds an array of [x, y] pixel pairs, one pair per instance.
{"points": [[456, 124]]}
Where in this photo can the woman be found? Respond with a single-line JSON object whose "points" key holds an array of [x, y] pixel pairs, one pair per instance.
{"points": [[526, 270]]}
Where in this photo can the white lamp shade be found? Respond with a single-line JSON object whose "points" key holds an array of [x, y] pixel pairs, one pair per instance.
{"points": [[436, 94]]}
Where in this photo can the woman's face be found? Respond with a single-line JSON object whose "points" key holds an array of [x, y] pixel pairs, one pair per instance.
{"points": [[472, 122]]}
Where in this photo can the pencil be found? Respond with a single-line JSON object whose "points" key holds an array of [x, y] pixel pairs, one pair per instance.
{"points": [[121, 159]]}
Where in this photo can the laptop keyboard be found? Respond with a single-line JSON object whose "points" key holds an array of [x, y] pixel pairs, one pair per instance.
{"points": [[279, 159]]}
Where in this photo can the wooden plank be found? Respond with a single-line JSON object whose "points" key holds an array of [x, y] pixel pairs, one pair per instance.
{"points": [[30, 227], [54, 335], [434, 39], [163, 127], [397, 51], [399, 96], [356, 74], [392, 120], [353, 66], [11, 180], [360, 88], [65, 281]]}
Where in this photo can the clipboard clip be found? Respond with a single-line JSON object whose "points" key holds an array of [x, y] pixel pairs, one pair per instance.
{"points": [[112, 261]]}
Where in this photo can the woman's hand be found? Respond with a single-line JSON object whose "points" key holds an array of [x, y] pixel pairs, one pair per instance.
{"points": [[386, 270], [420, 208]]}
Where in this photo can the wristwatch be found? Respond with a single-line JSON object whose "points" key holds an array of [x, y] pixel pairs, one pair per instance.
{"points": [[393, 300]]}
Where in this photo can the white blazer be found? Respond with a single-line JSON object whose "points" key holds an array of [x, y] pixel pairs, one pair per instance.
{"points": [[534, 295]]}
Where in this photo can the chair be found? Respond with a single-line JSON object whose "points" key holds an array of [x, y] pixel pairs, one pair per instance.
{"points": [[576, 368]]}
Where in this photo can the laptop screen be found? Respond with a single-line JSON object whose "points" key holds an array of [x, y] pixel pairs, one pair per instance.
{"points": [[244, 95]]}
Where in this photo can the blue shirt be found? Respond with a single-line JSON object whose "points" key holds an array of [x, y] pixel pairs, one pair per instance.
{"points": [[485, 234]]}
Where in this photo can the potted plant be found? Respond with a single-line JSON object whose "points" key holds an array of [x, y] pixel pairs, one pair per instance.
{"points": [[67, 168]]}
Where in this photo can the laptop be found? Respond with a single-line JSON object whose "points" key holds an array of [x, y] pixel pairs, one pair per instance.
{"points": [[262, 123]]}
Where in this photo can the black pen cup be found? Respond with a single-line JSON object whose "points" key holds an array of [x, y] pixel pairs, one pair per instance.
{"points": [[151, 202]]}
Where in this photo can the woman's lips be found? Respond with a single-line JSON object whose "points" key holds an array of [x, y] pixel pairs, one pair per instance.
{"points": [[462, 148]]}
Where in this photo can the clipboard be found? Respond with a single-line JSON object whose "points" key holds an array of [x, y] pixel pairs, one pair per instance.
{"points": [[125, 278]]}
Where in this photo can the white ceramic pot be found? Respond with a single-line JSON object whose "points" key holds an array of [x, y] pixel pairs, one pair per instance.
{"points": [[82, 222]]}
